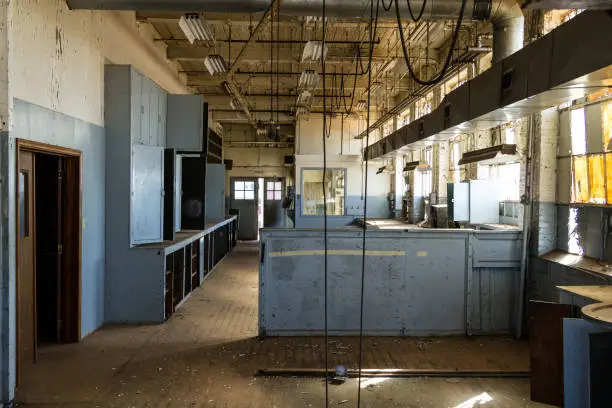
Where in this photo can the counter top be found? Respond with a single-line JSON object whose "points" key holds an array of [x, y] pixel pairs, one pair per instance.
{"points": [[580, 262], [186, 237], [600, 293]]}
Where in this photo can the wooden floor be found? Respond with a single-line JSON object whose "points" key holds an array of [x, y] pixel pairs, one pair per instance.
{"points": [[207, 353]]}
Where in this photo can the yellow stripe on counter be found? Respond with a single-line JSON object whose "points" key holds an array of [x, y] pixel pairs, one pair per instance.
{"points": [[349, 252]]}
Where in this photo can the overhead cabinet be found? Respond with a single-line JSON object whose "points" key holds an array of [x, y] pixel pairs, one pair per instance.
{"points": [[187, 123], [148, 110]]}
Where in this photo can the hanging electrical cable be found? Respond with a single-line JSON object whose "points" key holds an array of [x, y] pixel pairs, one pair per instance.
{"points": [[277, 129], [373, 28], [449, 56], [417, 18], [323, 56]]}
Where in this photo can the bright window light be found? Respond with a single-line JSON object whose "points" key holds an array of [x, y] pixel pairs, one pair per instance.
{"points": [[578, 131], [573, 237]]}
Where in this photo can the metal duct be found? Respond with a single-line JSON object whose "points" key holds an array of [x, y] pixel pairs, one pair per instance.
{"points": [[505, 15], [508, 28]]}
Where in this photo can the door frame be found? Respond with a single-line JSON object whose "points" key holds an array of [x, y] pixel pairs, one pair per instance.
{"points": [[254, 179], [23, 145]]}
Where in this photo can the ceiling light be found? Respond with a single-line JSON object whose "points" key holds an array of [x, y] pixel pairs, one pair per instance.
{"points": [[314, 19], [314, 51], [362, 104], [304, 98], [302, 110], [376, 88], [389, 65], [235, 104], [215, 64], [196, 28], [309, 79]]}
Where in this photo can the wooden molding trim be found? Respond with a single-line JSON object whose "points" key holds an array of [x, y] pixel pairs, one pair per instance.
{"points": [[32, 146]]}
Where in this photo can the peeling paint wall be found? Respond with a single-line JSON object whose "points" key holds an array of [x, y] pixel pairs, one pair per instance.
{"points": [[52, 83], [59, 55]]}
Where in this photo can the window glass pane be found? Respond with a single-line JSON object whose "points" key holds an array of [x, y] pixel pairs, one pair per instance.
{"points": [[580, 180], [597, 189], [249, 185], [578, 131], [278, 186], [24, 218], [239, 195], [270, 195], [239, 185], [277, 195], [315, 193], [609, 176], [249, 195], [607, 125], [270, 185]]}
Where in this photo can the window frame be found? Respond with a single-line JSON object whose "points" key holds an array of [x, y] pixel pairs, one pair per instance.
{"points": [[303, 202], [244, 190]]}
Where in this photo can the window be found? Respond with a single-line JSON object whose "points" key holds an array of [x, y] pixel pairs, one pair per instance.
{"points": [[606, 112], [578, 131], [423, 105], [244, 190], [315, 192], [274, 190], [387, 128], [404, 118], [591, 171]]}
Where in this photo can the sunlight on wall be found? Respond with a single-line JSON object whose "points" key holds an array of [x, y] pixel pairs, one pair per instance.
{"points": [[573, 240]]}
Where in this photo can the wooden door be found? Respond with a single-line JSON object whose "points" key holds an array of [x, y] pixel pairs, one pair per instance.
{"points": [[546, 349], [26, 262]]}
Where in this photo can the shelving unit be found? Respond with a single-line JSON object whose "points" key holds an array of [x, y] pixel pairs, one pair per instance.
{"points": [[214, 151]]}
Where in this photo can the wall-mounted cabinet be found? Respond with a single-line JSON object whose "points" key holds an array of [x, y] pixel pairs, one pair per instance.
{"points": [[148, 110], [187, 123]]}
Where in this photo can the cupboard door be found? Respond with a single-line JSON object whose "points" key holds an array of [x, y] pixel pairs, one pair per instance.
{"points": [[163, 101], [136, 103], [147, 185], [154, 116], [145, 121]]}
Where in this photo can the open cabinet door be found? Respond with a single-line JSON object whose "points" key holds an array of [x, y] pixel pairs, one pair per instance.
{"points": [[546, 350]]}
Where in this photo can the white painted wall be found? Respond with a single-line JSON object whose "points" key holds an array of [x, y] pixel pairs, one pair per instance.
{"points": [[309, 132], [57, 58], [258, 162]]}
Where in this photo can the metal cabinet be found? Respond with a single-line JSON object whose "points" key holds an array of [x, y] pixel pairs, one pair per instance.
{"points": [[148, 110], [146, 201], [187, 123]]}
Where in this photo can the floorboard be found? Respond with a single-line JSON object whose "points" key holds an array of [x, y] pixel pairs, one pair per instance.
{"points": [[207, 353]]}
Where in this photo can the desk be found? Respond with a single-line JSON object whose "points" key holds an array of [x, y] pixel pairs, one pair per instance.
{"points": [[584, 295]]}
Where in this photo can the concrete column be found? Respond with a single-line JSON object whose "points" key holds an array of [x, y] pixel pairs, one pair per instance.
{"points": [[444, 175], [7, 249], [544, 215]]}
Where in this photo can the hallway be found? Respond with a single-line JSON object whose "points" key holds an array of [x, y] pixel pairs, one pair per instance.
{"points": [[207, 353]]}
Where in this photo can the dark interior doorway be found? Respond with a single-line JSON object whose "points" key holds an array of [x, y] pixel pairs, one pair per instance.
{"points": [[48, 247]]}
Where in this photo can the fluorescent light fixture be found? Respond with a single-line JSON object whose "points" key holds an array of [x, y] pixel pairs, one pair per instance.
{"points": [[261, 131], [376, 88], [314, 51], [314, 19], [234, 104], [389, 65], [215, 64], [196, 28], [304, 98], [302, 110], [309, 79], [362, 104]]}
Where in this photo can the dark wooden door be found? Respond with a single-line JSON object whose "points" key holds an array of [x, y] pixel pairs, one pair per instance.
{"points": [[71, 250], [26, 262], [193, 213], [546, 349]]}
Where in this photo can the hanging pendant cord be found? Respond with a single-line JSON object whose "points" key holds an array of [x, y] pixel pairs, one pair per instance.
{"points": [[373, 28], [324, 139]]}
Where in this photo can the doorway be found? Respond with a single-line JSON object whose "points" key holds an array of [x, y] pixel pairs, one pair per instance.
{"points": [[244, 198], [48, 229], [273, 203]]}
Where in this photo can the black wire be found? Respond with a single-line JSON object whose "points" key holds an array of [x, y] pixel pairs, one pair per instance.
{"points": [[271, 65], [325, 209], [365, 207], [277, 130], [410, 10], [387, 8], [442, 72]]}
